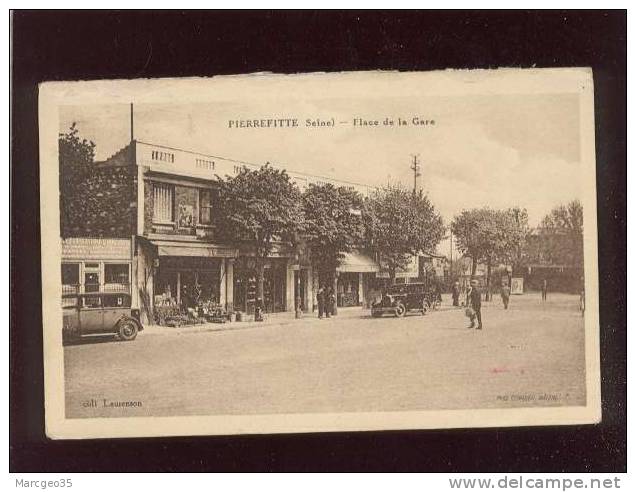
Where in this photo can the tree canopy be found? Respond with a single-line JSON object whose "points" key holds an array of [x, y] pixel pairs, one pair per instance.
{"points": [[401, 224], [74, 150], [488, 235], [260, 207], [566, 218], [75, 155], [559, 238], [333, 223]]}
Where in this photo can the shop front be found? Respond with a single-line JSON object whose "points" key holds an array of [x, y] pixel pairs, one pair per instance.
{"points": [[177, 276], [187, 281], [356, 274], [96, 265], [274, 285]]}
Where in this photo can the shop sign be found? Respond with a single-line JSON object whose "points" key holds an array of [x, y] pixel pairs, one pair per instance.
{"points": [[82, 248]]}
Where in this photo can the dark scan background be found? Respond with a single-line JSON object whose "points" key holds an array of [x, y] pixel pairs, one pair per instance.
{"points": [[66, 45]]}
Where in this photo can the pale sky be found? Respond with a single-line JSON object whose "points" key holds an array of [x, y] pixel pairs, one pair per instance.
{"points": [[500, 151]]}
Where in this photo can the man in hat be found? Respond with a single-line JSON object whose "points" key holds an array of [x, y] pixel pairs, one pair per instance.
{"points": [[474, 301]]}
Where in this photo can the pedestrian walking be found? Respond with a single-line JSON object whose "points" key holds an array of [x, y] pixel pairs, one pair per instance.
{"points": [[475, 303], [544, 290], [320, 297], [456, 292], [505, 294], [328, 302]]}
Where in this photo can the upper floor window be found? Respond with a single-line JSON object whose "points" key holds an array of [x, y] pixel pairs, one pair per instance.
{"points": [[206, 198], [163, 210]]}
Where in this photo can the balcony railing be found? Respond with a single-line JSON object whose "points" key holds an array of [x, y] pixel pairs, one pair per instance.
{"points": [[70, 288]]}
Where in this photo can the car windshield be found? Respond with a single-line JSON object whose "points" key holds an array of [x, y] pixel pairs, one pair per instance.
{"points": [[405, 289]]}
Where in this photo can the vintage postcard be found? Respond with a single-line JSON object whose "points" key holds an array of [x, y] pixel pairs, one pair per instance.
{"points": [[274, 253]]}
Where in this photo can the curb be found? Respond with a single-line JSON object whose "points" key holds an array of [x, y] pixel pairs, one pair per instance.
{"points": [[156, 330]]}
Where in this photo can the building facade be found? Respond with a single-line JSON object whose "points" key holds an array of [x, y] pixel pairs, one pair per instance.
{"points": [[157, 204]]}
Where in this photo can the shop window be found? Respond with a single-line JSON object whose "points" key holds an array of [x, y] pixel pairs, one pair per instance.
{"points": [[206, 199], [70, 278], [116, 276], [163, 210]]}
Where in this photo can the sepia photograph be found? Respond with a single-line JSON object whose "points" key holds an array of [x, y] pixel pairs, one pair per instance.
{"points": [[318, 252]]}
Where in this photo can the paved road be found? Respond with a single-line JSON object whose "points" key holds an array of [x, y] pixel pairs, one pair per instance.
{"points": [[530, 355]]}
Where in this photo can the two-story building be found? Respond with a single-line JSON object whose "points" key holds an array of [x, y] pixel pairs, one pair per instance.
{"points": [[158, 204]]}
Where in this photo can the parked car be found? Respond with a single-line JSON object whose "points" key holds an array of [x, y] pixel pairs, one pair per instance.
{"points": [[99, 314], [402, 298]]}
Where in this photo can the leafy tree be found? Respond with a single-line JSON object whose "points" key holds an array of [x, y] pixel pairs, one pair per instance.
{"points": [[333, 224], [568, 218], [559, 238], [75, 156], [474, 233], [400, 225], [491, 236], [521, 230], [259, 207], [73, 150]]}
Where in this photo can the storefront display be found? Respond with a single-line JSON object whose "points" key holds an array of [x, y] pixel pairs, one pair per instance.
{"points": [[348, 289], [274, 285], [188, 281]]}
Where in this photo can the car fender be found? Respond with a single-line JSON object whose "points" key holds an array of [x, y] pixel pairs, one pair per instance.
{"points": [[130, 318]]}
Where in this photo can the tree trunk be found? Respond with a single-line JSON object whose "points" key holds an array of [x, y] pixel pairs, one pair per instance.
{"points": [[260, 281], [473, 269], [488, 294], [335, 293], [392, 274]]}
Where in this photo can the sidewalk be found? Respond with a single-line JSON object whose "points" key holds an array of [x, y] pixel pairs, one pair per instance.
{"points": [[278, 319], [272, 319]]}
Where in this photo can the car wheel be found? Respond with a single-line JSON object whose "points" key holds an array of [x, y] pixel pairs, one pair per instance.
{"points": [[400, 310], [128, 330]]}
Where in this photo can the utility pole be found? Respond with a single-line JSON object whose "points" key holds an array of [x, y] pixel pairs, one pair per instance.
{"points": [[415, 167]]}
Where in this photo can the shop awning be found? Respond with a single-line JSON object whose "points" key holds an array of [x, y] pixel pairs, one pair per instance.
{"points": [[177, 248], [358, 262]]}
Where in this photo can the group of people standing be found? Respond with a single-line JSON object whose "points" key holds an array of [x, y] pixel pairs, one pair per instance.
{"points": [[326, 302]]}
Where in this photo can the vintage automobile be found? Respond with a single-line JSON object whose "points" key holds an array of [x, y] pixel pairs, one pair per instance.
{"points": [[401, 298], [99, 314]]}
